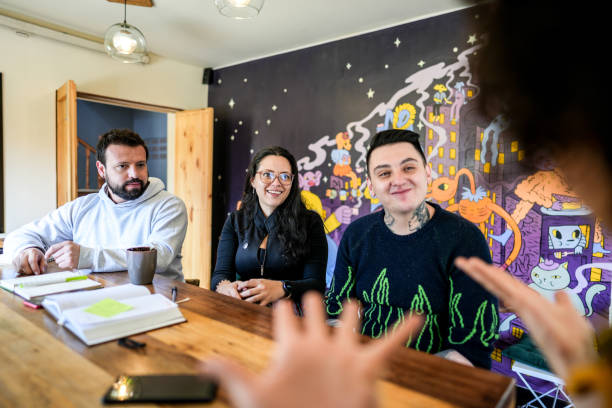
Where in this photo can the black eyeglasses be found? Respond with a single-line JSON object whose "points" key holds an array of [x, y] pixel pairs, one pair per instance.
{"points": [[267, 177]]}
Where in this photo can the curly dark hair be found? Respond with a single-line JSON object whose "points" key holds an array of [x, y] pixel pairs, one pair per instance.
{"points": [[292, 231], [125, 137], [543, 67]]}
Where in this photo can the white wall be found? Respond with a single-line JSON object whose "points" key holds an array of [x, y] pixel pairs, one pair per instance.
{"points": [[33, 68]]}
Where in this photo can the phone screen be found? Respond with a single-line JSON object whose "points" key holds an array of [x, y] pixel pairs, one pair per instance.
{"points": [[161, 388]]}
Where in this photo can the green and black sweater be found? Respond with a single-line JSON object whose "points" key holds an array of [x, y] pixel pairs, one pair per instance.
{"points": [[393, 276]]}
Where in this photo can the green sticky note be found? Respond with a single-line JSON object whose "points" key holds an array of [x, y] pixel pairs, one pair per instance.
{"points": [[108, 308]]}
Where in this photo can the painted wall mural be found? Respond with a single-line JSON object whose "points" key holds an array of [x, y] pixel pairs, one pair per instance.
{"points": [[324, 103]]}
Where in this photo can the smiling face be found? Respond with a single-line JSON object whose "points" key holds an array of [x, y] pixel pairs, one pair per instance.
{"points": [[273, 193], [125, 171], [398, 177]]}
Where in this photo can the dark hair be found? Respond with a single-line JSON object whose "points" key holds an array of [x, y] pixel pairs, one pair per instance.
{"points": [[125, 137], [292, 231], [542, 67], [394, 136]]}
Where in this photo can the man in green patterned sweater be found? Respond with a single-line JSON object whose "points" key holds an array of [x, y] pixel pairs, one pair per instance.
{"points": [[399, 261]]}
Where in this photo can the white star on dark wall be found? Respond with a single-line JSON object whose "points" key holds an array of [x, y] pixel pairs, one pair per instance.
{"points": [[219, 81], [216, 119], [251, 151], [235, 130], [472, 39], [360, 80], [274, 108], [256, 132], [370, 93], [231, 103], [325, 179], [421, 63], [268, 122], [219, 177], [232, 138], [420, 126], [455, 49], [386, 66], [397, 42], [348, 65], [240, 123], [245, 80], [285, 90]]}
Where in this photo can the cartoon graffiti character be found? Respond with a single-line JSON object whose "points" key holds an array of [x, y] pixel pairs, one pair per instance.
{"points": [[440, 98], [549, 277], [341, 215], [497, 125], [342, 159], [566, 237], [309, 179], [459, 95], [475, 206], [544, 188]]}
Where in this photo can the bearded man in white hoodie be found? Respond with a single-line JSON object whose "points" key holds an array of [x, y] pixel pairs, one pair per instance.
{"points": [[92, 232]]}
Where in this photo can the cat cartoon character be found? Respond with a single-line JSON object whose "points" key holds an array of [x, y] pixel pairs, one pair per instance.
{"points": [[549, 277]]}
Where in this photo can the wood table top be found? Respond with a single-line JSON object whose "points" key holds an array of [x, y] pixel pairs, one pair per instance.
{"points": [[44, 364]]}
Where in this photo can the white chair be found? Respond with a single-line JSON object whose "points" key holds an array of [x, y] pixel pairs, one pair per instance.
{"points": [[558, 384]]}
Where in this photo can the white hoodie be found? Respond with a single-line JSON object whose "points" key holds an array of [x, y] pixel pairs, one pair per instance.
{"points": [[104, 229]]}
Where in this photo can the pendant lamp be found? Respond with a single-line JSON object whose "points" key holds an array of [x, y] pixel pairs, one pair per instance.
{"points": [[239, 9], [126, 43]]}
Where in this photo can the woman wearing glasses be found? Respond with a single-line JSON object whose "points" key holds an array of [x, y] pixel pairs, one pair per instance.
{"points": [[272, 247]]}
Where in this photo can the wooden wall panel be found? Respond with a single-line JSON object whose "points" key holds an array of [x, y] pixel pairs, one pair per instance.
{"points": [[193, 183], [66, 143]]}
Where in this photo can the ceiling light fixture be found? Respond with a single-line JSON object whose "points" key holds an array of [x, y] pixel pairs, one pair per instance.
{"points": [[239, 9], [125, 42]]}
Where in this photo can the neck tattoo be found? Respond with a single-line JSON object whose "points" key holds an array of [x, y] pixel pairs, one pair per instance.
{"points": [[419, 218], [389, 220]]}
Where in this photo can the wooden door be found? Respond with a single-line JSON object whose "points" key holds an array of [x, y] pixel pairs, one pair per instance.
{"points": [[66, 143], [193, 183]]}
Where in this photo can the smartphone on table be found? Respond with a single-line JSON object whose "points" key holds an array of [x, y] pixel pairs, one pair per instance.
{"points": [[160, 388]]}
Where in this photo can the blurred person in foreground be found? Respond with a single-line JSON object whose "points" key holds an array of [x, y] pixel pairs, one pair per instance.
{"points": [[540, 68]]}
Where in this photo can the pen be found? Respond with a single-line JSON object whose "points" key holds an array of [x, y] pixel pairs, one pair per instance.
{"points": [[174, 292]]}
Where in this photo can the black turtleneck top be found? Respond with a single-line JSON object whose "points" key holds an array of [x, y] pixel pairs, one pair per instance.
{"points": [[240, 258]]}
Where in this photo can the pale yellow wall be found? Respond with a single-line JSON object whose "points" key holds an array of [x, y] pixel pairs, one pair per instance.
{"points": [[33, 68]]}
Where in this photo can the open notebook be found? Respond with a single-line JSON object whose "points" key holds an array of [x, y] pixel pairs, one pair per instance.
{"points": [[113, 312], [34, 286]]}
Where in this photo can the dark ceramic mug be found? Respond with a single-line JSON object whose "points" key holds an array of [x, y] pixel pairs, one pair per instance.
{"points": [[141, 264]]}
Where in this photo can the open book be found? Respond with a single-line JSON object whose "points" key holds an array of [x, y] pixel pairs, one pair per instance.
{"points": [[113, 312], [34, 286]]}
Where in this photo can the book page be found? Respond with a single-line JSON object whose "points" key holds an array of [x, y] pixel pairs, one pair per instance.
{"points": [[30, 292], [140, 307], [37, 280], [68, 301]]}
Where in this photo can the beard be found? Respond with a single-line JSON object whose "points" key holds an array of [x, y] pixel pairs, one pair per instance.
{"points": [[124, 193]]}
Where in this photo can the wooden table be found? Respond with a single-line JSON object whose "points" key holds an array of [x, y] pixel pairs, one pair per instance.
{"points": [[43, 364]]}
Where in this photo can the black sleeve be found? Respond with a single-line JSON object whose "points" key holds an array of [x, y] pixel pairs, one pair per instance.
{"points": [[473, 315], [316, 260], [226, 254]]}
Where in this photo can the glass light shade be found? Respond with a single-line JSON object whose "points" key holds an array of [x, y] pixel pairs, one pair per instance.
{"points": [[239, 9], [126, 43]]}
